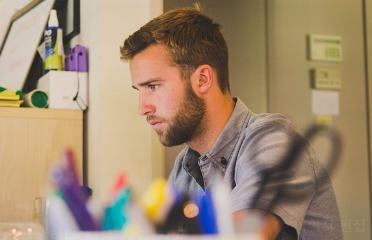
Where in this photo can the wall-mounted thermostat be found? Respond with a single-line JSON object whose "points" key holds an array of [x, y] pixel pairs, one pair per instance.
{"points": [[325, 48]]}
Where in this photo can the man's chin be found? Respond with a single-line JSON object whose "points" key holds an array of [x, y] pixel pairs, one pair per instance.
{"points": [[169, 143], [162, 139], [170, 139], [165, 142]]}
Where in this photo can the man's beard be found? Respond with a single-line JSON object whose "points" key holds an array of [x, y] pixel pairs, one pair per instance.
{"points": [[186, 125]]}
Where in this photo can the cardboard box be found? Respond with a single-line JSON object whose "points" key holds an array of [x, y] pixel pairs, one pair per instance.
{"points": [[63, 87]]}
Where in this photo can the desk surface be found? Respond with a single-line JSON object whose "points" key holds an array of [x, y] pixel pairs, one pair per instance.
{"points": [[120, 236], [34, 231]]}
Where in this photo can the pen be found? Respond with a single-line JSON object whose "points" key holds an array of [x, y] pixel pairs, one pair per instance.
{"points": [[115, 216], [65, 179]]}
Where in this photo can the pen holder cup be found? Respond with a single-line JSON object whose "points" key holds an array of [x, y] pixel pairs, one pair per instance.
{"points": [[40, 210]]}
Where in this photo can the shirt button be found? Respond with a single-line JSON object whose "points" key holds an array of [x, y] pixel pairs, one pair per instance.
{"points": [[223, 161]]}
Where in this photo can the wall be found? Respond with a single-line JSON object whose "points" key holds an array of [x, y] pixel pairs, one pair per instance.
{"points": [[117, 139], [289, 22]]}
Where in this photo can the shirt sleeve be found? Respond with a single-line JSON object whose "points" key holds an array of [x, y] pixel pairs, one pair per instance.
{"points": [[263, 147]]}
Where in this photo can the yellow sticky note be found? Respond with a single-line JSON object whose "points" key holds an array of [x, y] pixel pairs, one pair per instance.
{"points": [[9, 91], [9, 94]]}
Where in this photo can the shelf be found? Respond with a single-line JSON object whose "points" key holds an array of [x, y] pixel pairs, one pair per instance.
{"points": [[40, 113]]}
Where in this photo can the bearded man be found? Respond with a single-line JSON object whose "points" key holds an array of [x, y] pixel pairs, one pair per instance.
{"points": [[179, 65]]}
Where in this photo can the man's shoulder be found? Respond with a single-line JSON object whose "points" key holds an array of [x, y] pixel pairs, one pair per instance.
{"points": [[243, 118], [267, 119]]}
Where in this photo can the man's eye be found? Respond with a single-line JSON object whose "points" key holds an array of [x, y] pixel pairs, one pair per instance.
{"points": [[153, 87]]}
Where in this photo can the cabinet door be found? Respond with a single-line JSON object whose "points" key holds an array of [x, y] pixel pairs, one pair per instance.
{"points": [[31, 142]]}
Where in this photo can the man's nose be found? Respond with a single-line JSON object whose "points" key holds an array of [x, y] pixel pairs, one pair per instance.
{"points": [[145, 107]]}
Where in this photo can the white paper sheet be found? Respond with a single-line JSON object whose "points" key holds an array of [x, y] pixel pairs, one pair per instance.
{"points": [[325, 102]]}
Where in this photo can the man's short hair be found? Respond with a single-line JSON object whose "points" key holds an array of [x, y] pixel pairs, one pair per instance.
{"points": [[191, 38]]}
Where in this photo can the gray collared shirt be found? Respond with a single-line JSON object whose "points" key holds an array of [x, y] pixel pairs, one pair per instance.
{"points": [[248, 144]]}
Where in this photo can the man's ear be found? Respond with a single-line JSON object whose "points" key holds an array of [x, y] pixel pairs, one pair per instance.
{"points": [[205, 78]]}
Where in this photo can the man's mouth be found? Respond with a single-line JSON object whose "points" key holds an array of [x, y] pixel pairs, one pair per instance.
{"points": [[155, 124]]}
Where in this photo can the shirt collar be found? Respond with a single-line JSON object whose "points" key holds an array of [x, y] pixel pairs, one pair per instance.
{"points": [[222, 149]]}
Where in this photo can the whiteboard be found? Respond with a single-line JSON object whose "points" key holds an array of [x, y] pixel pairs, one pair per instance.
{"points": [[20, 45], [5, 20]]}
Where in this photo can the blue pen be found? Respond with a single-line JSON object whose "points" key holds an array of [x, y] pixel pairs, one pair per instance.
{"points": [[207, 216]]}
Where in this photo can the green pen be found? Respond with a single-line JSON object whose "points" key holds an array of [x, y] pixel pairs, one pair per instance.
{"points": [[116, 215]]}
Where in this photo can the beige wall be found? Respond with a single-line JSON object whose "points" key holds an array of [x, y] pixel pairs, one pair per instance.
{"points": [[117, 139]]}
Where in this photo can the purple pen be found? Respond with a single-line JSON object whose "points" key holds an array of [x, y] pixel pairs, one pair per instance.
{"points": [[65, 180]]}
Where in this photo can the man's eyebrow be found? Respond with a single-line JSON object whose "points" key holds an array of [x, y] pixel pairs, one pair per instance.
{"points": [[146, 83]]}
